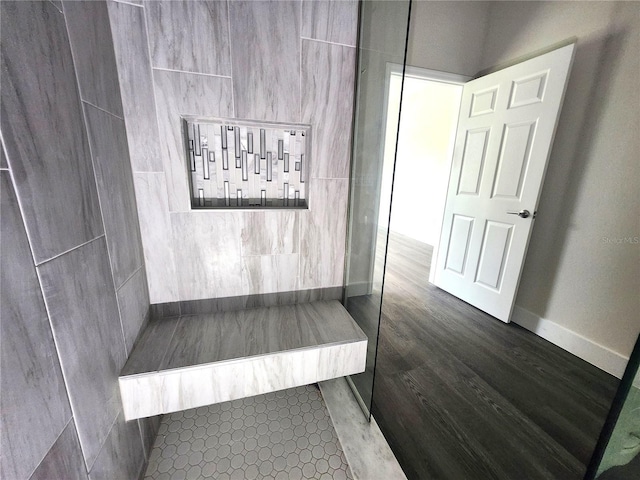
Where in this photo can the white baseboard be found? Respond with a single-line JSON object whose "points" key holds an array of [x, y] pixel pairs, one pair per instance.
{"points": [[588, 350]]}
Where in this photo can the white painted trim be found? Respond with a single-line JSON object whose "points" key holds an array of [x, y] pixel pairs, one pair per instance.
{"points": [[584, 348]]}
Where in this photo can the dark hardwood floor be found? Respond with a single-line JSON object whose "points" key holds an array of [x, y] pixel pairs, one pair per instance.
{"points": [[460, 395]]}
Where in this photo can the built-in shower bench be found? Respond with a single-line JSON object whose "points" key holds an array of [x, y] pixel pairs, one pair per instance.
{"points": [[194, 360]]}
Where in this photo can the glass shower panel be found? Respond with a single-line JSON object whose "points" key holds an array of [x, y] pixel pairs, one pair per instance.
{"points": [[617, 454], [381, 50]]}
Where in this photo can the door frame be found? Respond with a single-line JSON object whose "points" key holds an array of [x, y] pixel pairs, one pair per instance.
{"points": [[420, 73]]}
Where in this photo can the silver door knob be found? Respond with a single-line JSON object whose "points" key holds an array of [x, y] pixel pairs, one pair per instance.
{"points": [[521, 213]]}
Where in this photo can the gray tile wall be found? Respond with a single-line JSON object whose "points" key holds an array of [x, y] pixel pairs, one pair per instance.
{"points": [[289, 61], [74, 294]]}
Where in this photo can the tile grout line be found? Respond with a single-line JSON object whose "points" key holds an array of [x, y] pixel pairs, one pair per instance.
{"points": [[327, 42], [102, 109], [129, 278], [67, 251], [174, 70], [52, 445], [129, 3]]}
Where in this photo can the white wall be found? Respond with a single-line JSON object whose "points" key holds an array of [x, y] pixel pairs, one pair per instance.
{"points": [[580, 274]]}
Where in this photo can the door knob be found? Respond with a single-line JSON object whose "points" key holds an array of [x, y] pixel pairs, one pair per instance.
{"points": [[521, 213]]}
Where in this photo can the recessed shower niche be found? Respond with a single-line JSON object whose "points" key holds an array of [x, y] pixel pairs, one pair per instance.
{"points": [[246, 164]]}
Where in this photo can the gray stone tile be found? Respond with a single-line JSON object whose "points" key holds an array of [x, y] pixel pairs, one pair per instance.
{"points": [[328, 76], [189, 36], [322, 234], [57, 4], [79, 294], [108, 140], [53, 172], [179, 94], [122, 455], [92, 47], [273, 232], [149, 430], [133, 304], [33, 399], [168, 309], [271, 273], [64, 459], [136, 85], [152, 344], [331, 21], [3, 159], [155, 226], [207, 250], [266, 61]]}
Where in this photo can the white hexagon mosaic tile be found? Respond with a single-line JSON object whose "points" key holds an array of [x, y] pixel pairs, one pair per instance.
{"points": [[285, 435]]}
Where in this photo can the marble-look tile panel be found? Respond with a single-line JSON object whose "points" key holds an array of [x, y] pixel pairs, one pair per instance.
{"points": [[157, 244], [133, 304], [108, 140], [271, 273], [81, 301], [181, 389], [122, 455], [238, 302], [265, 51], [328, 76], [152, 345], [322, 234], [272, 232], [207, 250], [185, 94], [92, 47], [189, 36], [366, 449], [33, 398], [136, 86], [149, 431], [53, 172], [330, 20], [63, 460]]}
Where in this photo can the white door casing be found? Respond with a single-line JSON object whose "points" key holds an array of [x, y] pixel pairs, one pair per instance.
{"points": [[503, 141]]}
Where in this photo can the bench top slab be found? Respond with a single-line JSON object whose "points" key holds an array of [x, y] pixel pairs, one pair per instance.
{"points": [[185, 341]]}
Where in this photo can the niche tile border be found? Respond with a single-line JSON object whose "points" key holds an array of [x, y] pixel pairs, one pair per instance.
{"points": [[246, 164]]}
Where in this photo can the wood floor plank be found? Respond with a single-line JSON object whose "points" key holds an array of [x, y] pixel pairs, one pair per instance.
{"points": [[461, 395]]}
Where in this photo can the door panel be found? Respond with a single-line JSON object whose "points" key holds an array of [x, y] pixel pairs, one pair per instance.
{"points": [[504, 137]]}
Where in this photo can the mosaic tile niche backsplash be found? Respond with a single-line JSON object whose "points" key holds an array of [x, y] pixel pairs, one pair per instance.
{"points": [[246, 164]]}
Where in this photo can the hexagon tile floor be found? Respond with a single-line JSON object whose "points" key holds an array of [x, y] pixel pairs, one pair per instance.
{"points": [[284, 435]]}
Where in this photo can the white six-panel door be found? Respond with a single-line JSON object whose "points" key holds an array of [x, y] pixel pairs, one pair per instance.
{"points": [[504, 137]]}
